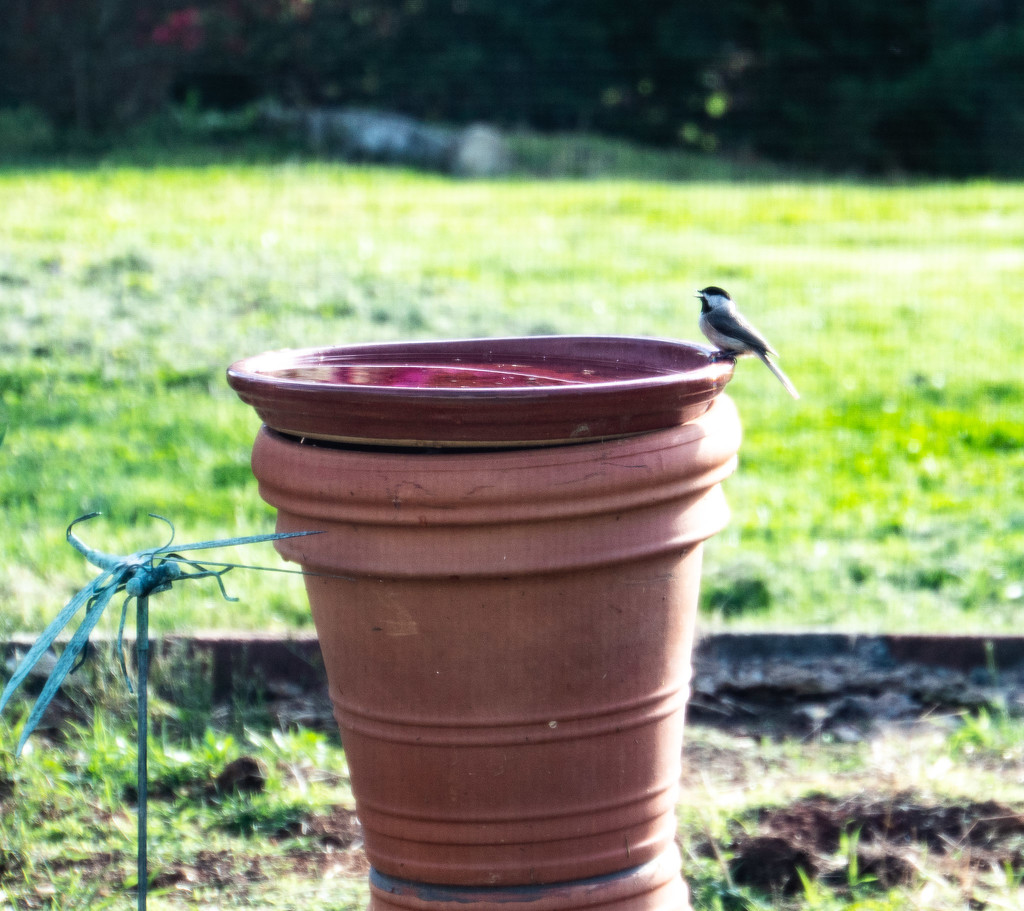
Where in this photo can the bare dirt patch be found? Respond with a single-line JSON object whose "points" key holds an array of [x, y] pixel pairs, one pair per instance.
{"points": [[318, 845], [220, 869], [889, 837], [338, 830]]}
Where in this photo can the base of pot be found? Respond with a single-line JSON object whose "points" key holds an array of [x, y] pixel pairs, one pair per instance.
{"points": [[654, 886]]}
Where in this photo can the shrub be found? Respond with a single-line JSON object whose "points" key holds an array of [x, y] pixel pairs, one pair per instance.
{"points": [[932, 85], [25, 130], [87, 64]]}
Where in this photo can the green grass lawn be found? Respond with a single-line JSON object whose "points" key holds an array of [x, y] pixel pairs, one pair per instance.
{"points": [[891, 496]]}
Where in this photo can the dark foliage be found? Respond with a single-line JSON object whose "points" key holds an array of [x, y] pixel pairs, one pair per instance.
{"points": [[90, 64], [867, 85]]}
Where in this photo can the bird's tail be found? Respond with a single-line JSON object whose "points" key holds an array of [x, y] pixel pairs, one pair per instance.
{"points": [[790, 388]]}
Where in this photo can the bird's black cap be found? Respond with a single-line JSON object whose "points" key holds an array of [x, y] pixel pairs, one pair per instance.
{"points": [[714, 289]]}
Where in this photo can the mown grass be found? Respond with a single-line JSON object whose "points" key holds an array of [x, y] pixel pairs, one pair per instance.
{"points": [[68, 839], [891, 496]]}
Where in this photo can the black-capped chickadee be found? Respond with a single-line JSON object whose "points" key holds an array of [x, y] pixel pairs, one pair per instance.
{"points": [[728, 331]]}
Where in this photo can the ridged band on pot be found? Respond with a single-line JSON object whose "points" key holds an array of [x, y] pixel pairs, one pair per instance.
{"points": [[654, 886], [507, 639]]}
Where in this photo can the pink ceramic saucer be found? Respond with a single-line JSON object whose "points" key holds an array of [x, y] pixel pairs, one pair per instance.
{"points": [[503, 392]]}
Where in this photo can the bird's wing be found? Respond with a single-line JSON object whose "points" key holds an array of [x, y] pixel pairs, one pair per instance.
{"points": [[735, 326]]}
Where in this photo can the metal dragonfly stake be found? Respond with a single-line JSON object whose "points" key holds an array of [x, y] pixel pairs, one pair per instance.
{"points": [[139, 575]]}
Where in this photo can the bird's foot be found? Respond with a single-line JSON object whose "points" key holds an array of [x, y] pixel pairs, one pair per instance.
{"points": [[722, 354]]}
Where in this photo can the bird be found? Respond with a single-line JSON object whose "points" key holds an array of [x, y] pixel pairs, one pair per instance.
{"points": [[728, 331]]}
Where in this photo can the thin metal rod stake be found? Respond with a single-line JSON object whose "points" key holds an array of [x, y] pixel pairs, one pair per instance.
{"points": [[142, 780]]}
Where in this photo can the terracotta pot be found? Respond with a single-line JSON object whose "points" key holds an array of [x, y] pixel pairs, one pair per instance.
{"points": [[507, 637]]}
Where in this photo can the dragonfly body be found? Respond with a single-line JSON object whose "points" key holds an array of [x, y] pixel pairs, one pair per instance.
{"points": [[138, 575]]}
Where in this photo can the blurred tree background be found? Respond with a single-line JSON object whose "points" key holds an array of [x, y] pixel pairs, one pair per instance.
{"points": [[863, 86]]}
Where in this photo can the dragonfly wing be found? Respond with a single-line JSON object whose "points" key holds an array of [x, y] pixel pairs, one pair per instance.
{"points": [[233, 542], [66, 661], [101, 588]]}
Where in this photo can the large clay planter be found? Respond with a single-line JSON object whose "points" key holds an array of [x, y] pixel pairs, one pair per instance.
{"points": [[507, 637]]}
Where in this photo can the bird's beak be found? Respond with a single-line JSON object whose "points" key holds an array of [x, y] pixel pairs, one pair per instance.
{"points": [[697, 294]]}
